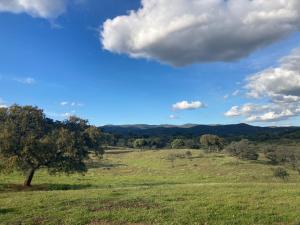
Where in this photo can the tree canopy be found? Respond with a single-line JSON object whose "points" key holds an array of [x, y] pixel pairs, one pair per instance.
{"points": [[212, 142], [243, 150], [177, 143], [30, 141]]}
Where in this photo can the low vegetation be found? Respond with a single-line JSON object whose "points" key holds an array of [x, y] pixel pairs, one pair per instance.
{"points": [[243, 150], [281, 173]]}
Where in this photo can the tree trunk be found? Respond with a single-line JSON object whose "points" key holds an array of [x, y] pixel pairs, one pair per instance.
{"points": [[29, 177]]}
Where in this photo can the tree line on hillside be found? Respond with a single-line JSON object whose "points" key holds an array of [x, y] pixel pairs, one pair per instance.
{"points": [[231, 132], [30, 141]]}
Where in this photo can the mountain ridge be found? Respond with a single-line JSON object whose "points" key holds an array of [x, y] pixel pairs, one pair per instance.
{"points": [[241, 129]]}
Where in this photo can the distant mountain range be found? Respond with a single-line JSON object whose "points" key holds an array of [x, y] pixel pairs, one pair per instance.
{"points": [[196, 130]]}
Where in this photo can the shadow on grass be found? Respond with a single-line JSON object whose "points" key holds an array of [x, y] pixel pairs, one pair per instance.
{"points": [[197, 157], [43, 187], [154, 184], [104, 165], [58, 187], [116, 152], [5, 211], [261, 162]]}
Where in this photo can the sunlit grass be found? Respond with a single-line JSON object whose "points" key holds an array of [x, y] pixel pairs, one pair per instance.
{"points": [[144, 188]]}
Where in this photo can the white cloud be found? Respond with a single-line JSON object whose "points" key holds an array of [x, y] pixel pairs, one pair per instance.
{"points": [[48, 9], [60, 116], [185, 105], [173, 117], [281, 83], [67, 114], [226, 97], [264, 112], [181, 32], [246, 110], [27, 80], [280, 86], [71, 104], [234, 111], [64, 103], [236, 93], [271, 116]]}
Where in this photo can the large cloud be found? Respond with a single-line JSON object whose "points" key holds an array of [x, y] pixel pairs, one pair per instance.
{"points": [[265, 113], [181, 32], [48, 9], [279, 85]]}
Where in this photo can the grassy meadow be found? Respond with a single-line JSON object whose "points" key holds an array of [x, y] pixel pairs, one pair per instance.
{"points": [[131, 187]]}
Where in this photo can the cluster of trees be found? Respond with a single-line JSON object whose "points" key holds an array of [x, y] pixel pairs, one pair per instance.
{"points": [[30, 141], [243, 150], [280, 155], [277, 155], [211, 143], [144, 143], [134, 142]]}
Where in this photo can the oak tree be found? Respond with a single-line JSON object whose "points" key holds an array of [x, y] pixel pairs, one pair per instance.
{"points": [[30, 141]]}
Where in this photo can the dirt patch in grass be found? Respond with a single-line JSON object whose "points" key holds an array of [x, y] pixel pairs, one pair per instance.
{"points": [[124, 204], [39, 221]]}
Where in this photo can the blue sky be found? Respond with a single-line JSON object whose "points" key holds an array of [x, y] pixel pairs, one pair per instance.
{"points": [[59, 64]]}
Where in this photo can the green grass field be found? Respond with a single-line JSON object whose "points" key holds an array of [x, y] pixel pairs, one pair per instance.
{"points": [[144, 188]]}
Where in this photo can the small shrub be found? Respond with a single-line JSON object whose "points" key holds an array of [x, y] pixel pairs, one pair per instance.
{"points": [[249, 154], [200, 155], [180, 155], [139, 143], [281, 173], [188, 154], [177, 144], [191, 144], [171, 157], [298, 169]]}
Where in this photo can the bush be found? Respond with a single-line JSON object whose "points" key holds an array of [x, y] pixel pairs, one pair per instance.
{"points": [[281, 173], [191, 144], [173, 156], [139, 143], [278, 154], [298, 169], [177, 144], [180, 155], [242, 150], [188, 154]]}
